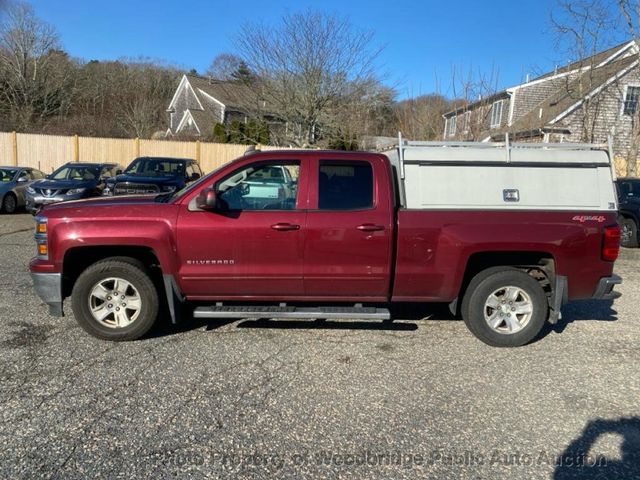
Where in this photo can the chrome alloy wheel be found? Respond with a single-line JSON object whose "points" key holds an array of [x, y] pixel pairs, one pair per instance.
{"points": [[508, 310], [115, 302]]}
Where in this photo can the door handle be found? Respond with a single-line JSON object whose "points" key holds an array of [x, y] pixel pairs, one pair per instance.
{"points": [[370, 227], [285, 226]]}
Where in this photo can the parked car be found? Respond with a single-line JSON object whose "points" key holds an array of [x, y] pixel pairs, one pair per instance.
{"points": [[629, 210], [72, 181], [504, 234], [13, 183], [154, 175]]}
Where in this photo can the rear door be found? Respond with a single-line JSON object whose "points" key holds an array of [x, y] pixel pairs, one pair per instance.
{"points": [[349, 228]]}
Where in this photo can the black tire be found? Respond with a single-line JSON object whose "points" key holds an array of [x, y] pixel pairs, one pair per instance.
{"points": [[486, 283], [628, 232], [127, 269], [9, 203]]}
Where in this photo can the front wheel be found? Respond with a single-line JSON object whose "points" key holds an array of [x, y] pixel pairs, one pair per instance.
{"points": [[504, 307], [10, 203], [115, 300]]}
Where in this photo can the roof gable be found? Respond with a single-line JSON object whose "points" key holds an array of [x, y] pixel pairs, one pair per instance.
{"points": [[612, 55], [183, 85]]}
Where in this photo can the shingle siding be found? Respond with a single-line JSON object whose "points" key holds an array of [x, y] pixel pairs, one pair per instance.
{"points": [[605, 114]]}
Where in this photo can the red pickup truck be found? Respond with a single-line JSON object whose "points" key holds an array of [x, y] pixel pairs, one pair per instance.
{"points": [[504, 233]]}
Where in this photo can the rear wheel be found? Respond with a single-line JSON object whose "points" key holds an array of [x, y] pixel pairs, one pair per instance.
{"points": [[9, 203], [115, 299], [628, 232], [504, 307]]}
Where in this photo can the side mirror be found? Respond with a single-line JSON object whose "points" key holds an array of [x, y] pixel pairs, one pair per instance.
{"points": [[22, 180], [195, 176], [119, 171], [207, 199]]}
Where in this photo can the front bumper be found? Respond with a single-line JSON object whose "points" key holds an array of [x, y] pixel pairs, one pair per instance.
{"points": [[34, 202], [605, 291], [48, 286]]}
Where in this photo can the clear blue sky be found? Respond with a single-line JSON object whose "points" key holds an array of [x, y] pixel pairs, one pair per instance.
{"points": [[423, 39]]}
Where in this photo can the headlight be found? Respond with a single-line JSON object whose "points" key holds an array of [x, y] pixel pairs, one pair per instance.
{"points": [[168, 189], [31, 190], [107, 191], [75, 191]]}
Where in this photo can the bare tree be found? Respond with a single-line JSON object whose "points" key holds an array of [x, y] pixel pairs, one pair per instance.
{"points": [[226, 66], [307, 67], [35, 75], [584, 28], [420, 118], [471, 92]]}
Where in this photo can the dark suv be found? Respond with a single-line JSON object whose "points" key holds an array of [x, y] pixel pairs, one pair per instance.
{"points": [[72, 181], [629, 210], [154, 175]]}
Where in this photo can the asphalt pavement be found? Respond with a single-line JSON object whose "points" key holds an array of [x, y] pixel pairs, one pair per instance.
{"points": [[416, 398]]}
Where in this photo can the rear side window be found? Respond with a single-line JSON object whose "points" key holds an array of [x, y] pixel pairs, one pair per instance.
{"points": [[345, 185]]}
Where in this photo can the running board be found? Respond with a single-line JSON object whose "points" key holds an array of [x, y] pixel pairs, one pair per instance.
{"points": [[324, 313]]}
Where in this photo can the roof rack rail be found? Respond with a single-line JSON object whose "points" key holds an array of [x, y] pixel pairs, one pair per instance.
{"points": [[488, 145], [508, 146]]}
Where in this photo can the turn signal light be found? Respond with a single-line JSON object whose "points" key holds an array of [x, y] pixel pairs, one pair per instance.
{"points": [[611, 243], [42, 249], [41, 228]]}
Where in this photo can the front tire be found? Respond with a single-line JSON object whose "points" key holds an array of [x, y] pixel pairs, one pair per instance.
{"points": [[9, 203], [115, 299], [628, 232], [504, 307]]}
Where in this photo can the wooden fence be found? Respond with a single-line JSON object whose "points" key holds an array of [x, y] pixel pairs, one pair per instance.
{"points": [[48, 152]]}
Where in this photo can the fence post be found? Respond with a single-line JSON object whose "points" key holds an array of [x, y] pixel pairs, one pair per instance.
{"points": [[76, 148], [198, 152], [14, 147], [136, 146]]}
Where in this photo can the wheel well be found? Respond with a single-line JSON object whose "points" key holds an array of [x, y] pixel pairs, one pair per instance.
{"points": [[629, 216], [540, 265], [76, 260]]}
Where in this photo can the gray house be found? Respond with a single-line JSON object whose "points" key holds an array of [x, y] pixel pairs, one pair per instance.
{"points": [[200, 103], [584, 101]]}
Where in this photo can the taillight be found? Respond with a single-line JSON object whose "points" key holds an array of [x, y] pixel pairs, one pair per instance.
{"points": [[611, 243]]}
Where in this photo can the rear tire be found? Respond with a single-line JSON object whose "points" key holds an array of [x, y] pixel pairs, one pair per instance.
{"points": [[9, 203], [504, 307], [628, 232], [114, 315]]}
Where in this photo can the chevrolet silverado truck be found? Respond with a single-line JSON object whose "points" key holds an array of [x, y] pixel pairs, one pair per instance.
{"points": [[504, 233]]}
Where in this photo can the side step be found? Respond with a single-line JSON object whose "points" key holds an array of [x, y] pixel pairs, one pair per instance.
{"points": [[361, 313]]}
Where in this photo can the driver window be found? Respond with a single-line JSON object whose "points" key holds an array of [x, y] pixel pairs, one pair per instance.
{"points": [[261, 186]]}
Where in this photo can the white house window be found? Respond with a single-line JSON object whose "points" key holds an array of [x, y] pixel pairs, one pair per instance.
{"points": [[631, 97], [496, 114], [451, 126]]}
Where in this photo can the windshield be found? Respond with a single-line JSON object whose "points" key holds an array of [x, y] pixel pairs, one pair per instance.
{"points": [[155, 167], [76, 172], [7, 174]]}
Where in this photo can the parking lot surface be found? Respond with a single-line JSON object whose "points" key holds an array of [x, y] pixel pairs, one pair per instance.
{"points": [[416, 398]]}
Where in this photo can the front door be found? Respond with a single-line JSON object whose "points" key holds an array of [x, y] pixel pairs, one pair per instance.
{"points": [[349, 230], [252, 245]]}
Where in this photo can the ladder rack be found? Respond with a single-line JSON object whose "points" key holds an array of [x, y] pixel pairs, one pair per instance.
{"points": [[404, 145]]}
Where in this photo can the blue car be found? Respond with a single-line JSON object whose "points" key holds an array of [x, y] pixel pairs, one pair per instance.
{"points": [[13, 184], [154, 175], [72, 181]]}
